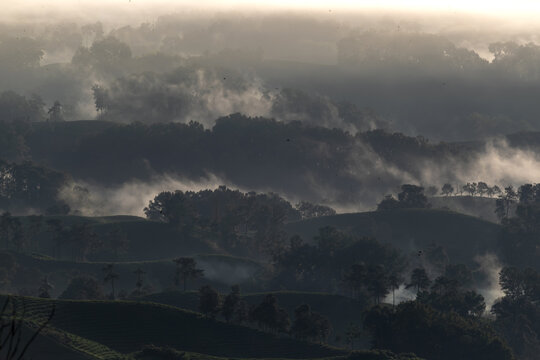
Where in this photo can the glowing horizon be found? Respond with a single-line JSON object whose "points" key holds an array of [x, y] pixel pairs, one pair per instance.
{"points": [[494, 7]]}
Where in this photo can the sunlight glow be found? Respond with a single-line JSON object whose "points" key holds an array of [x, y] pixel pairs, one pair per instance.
{"points": [[500, 7]]}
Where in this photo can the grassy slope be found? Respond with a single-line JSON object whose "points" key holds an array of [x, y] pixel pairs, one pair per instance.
{"points": [[481, 207], [126, 326], [221, 271], [148, 240], [413, 229], [340, 310]]}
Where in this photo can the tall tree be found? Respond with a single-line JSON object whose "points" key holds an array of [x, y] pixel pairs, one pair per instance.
{"points": [[419, 280], [470, 188], [269, 316], [482, 188], [209, 301], [394, 280], [377, 282], [139, 283], [447, 189], [56, 112], [230, 304], [110, 276], [186, 268], [412, 196]]}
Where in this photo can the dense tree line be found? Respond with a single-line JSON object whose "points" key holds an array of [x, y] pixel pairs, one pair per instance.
{"points": [[417, 327], [519, 212], [247, 223], [330, 263], [517, 312], [267, 315], [28, 186]]}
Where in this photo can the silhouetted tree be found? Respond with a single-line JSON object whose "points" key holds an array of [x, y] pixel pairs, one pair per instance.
{"points": [[101, 98], [505, 202], [186, 268], [447, 189], [44, 288], [377, 282], [355, 278], [269, 316], [412, 196], [459, 273], [494, 191], [309, 325], [56, 112], [83, 288], [470, 188], [309, 210], [209, 301], [110, 276], [230, 304], [415, 327], [482, 188], [419, 280], [447, 295], [432, 190], [139, 283], [394, 280], [352, 333], [388, 203]]}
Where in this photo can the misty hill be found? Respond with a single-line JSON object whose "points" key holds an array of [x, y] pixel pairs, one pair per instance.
{"points": [[412, 230], [148, 240], [294, 159], [481, 207], [291, 158], [340, 310], [221, 271]]}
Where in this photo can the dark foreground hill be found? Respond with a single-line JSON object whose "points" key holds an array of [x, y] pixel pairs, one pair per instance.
{"points": [[340, 310], [412, 230], [120, 330], [126, 326]]}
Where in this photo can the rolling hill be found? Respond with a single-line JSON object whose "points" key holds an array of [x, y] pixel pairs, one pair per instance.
{"points": [[411, 230], [111, 327], [340, 310], [220, 271]]}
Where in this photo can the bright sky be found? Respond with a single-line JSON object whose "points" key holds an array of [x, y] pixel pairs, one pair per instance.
{"points": [[518, 12], [524, 7]]}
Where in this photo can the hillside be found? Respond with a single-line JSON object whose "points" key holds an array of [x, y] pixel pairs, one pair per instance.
{"points": [[148, 240], [481, 207], [340, 310], [125, 327], [220, 271], [411, 230]]}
